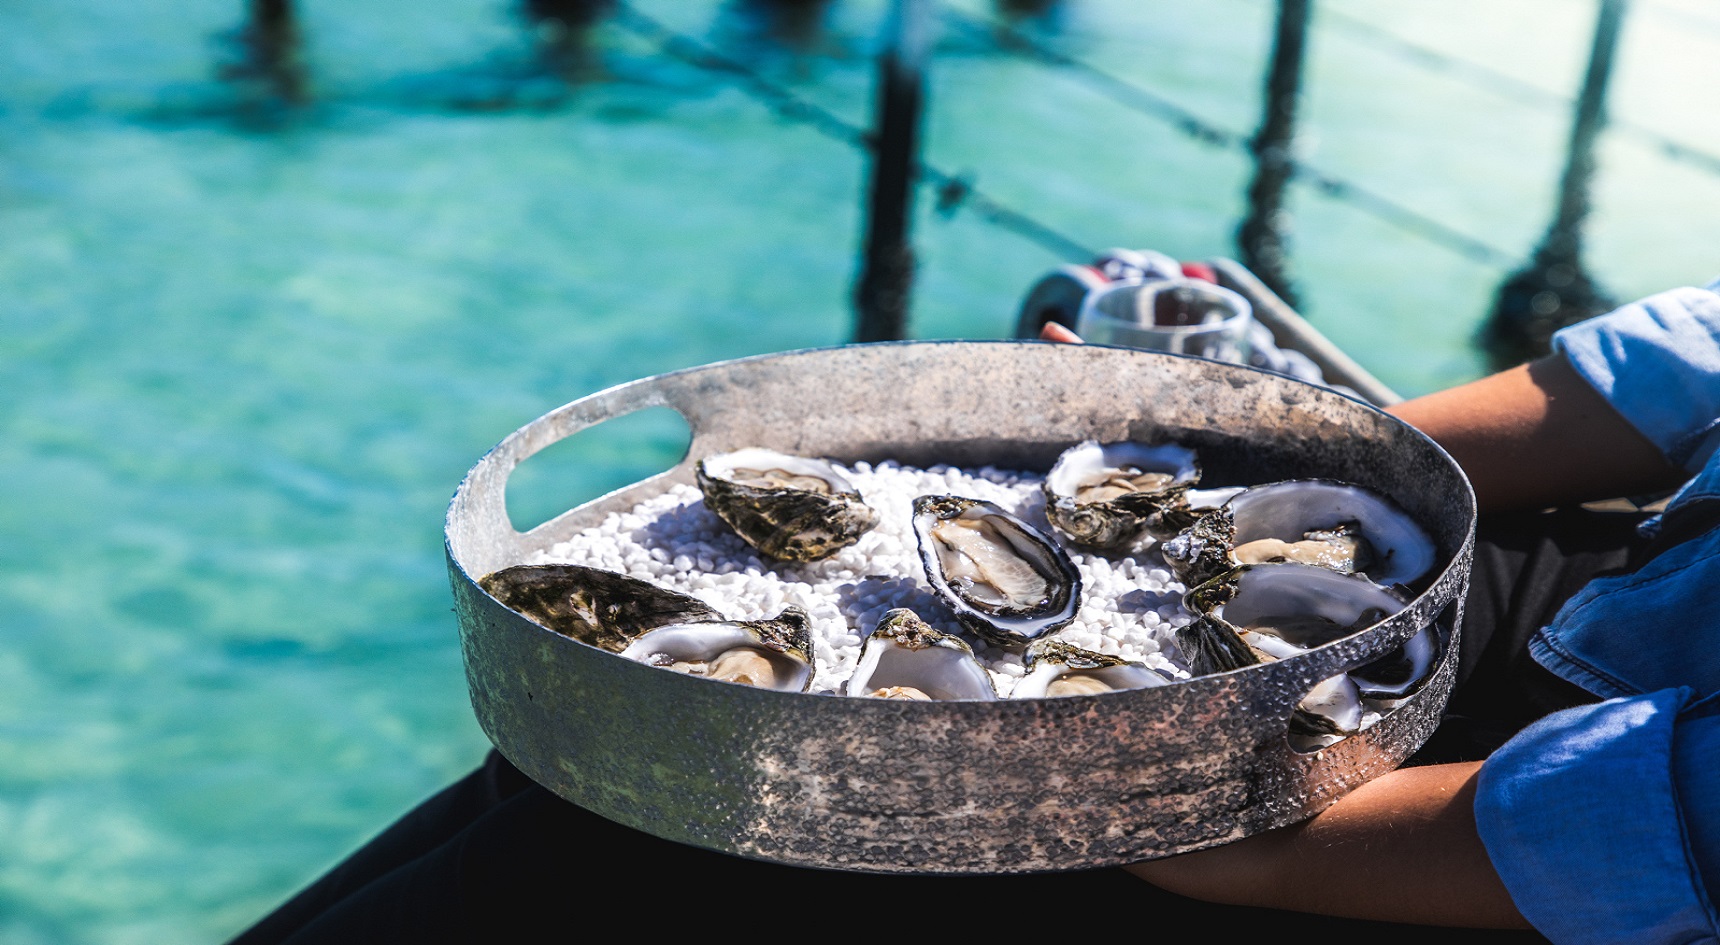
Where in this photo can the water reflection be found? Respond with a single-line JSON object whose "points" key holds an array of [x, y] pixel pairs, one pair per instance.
{"points": [[268, 66], [563, 31], [795, 33], [1040, 13]]}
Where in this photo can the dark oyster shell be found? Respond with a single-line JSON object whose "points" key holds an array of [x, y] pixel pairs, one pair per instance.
{"points": [[597, 607], [784, 521]]}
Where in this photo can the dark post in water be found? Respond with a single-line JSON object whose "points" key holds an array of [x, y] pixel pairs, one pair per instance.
{"points": [[887, 269], [1553, 290], [269, 63], [563, 30], [1260, 239]]}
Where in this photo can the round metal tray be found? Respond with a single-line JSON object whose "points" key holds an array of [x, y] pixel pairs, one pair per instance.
{"points": [[953, 787]]}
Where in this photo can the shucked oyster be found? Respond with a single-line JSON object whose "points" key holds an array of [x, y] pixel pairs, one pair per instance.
{"points": [[1058, 668], [1105, 496], [1257, 613], [791, 508], [597, 607], [1335, 525], [1006, 580], [905, 658], [769, 654]]}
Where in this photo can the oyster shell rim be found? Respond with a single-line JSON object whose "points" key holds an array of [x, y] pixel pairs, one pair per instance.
{"points": [[1011, 631], [1111, 525], [901, 627], [786, 524], [788, 634], [1050, 650], [1197, 565]]}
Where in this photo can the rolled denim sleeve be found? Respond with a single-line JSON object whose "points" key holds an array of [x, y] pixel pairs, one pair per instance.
{"points": [[1657, 361], [1601, 820]]}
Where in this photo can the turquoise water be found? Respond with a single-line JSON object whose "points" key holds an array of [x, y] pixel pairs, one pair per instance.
{"points": [[249, 355]]}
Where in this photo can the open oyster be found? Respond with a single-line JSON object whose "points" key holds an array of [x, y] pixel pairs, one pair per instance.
{"points": [[1256, 613], [597, 607], [1059, 668], [1007, 581], [791, 508], [1335, 525], [769, 654], [1105, 496], [905, 658]]}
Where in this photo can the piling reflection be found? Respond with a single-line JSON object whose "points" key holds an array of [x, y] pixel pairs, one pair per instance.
{"points": [[563, 31], [1553, 290], [794, 25], [268, 68], [1261, 238], [1041, 12]]}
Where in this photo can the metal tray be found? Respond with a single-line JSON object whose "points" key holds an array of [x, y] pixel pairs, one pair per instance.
{"points": [[953, 787]]}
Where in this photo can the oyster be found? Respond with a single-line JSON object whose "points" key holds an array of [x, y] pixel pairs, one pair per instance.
{"points": [[1335, 525], [768, 654], [1105, 496], [597, 607], [1057, 668], [1007, 581], [905, 658], [790, 508], [1263, 612]]}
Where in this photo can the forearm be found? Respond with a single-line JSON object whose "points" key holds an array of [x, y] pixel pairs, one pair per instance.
{"points": [[1538, 435], [1401, 848]]}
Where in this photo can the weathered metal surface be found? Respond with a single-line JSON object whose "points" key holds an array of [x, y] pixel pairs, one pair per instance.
{"points": [[953, 787]]}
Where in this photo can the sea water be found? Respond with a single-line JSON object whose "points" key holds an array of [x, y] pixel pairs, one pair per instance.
{"points": [[248, 349]]}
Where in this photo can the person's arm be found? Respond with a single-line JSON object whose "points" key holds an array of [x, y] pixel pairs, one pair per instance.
{"points": [[1530, 437], [1538, 435], [1400, 848]]}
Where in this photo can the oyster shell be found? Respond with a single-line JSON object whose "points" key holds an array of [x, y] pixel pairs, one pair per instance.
{"points": [[790, 508], [1058, 668], [1336, 525], [1105, 496], [1006, 581], [597, 607], [769, 654], [1256, 613], [906, 658]]}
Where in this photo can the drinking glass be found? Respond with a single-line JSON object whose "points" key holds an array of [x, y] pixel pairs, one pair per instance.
{"points": [[1182, 316]]}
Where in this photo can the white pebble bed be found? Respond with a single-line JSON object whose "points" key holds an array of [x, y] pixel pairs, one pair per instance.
{"points": [[1130, 604]]}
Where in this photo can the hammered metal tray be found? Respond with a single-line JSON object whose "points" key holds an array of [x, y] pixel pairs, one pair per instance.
{"points": [[953, 787]]}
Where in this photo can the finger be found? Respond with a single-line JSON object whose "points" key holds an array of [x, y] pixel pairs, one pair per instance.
{"points": [[1053, 331]]}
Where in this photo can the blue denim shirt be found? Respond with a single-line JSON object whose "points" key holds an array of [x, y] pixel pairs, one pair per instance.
{"points": [[1604, 820]]}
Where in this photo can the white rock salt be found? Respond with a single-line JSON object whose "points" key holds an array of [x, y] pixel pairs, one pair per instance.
{"points": [[1130, 606]]}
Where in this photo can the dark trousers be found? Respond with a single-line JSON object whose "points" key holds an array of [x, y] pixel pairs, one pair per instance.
{"points": [[496, 858]]}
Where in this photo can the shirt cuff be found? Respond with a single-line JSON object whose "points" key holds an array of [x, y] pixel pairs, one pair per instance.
{"points": [[1579, 814], [1657, 361]]}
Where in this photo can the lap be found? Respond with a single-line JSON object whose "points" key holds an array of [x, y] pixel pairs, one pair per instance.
{"points": [[496, 856], [532, 861]]}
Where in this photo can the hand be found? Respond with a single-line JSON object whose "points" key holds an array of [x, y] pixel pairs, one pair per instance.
{"points": [[1054, 331], [1400, 848]]}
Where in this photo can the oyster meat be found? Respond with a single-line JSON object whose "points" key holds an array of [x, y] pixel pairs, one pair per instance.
{"points": [[1105, 496], [906, 658], [1005, 580], [1058, 668], [790, 508], [596, 607], [1263, 612], [1336, 525], [769, 654]]}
